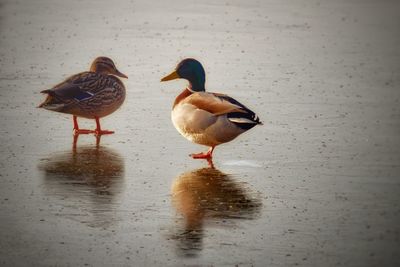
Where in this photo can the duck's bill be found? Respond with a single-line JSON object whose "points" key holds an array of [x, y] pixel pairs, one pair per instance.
{"points": [[120, 74], [172, 76]]}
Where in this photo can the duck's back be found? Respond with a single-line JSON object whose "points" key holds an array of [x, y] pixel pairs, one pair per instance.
{"points": [[87, 94]]}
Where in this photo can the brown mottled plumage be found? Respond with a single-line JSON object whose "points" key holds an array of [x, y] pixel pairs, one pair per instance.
{"points": [[92, 94]]}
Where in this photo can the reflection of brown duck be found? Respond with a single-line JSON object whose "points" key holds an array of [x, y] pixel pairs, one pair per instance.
{"points": [[209, 195], [87, 178]]}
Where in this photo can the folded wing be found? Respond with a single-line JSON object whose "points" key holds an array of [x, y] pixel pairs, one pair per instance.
{"points": [[219, 104]]}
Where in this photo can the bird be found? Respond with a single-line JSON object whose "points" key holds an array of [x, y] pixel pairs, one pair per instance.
{"points": [[206, 118], [91, 94]]}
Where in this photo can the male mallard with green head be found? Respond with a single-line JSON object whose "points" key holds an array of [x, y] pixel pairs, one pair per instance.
{"points": [[91, 94], [205, 118]]}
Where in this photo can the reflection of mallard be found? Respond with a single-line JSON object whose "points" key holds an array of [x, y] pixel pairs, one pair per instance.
{"points": [[88, 177], [208, 194]]}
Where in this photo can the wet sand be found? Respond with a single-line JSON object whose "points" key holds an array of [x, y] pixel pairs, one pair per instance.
{"points": [[317, 185]]}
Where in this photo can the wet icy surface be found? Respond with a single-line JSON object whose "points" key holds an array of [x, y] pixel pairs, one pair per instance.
{"points": [[317, 185]]}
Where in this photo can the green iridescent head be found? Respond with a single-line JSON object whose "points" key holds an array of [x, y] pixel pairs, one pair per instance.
{"points": [[191, 70]]}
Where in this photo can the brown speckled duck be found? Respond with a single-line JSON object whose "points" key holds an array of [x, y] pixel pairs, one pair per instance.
{"points": [[91, 94]]}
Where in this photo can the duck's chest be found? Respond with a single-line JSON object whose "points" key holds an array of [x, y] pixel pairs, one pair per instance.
{"points": [[179, 111], [181, 118]]}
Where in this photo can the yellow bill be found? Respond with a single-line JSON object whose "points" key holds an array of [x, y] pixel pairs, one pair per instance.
{"points": [[174, 75]]}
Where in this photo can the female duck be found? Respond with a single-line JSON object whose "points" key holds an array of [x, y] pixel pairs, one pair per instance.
{"points": [[208, 119], [91, 94]]}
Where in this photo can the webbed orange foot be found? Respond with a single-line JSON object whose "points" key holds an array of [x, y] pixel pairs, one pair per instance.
{"points": [[101, 132], [201, 155], [83, 131]]}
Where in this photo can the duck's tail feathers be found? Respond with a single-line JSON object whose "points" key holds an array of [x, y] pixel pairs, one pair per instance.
{"points": [[51, 102], [245, 121]]}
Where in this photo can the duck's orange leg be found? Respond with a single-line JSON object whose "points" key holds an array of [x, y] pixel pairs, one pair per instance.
{"points": [[98, 130], [76, 127], [202, 155]]}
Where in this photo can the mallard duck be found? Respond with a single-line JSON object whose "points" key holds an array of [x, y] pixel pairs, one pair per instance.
{"points": [[205, 118], [91, 94]]}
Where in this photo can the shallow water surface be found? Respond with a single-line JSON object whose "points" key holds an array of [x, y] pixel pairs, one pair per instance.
{"points": [[317, 185], [88, 179]]}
